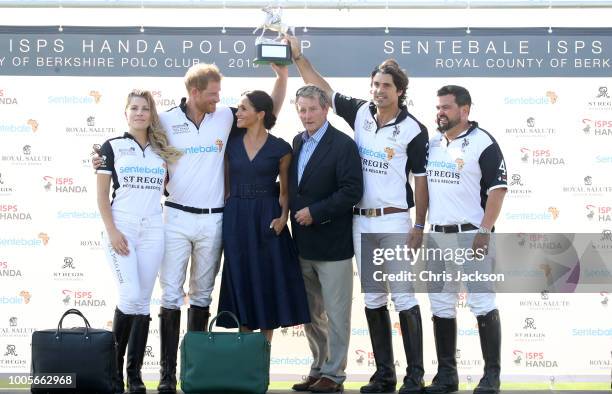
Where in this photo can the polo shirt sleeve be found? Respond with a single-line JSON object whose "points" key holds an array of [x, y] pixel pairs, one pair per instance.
{"points": [[108, 157], [346, 107], [418, 150], [493, 168]]}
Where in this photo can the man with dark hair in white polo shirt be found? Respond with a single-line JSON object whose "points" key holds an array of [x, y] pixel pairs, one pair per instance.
{"points": [[466, 175], [392, 144]]}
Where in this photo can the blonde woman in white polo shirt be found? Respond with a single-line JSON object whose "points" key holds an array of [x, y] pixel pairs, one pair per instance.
{"points": [[135, 164]]}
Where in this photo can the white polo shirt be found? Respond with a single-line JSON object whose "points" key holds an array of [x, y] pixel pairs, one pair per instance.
{"points": [[460, 175], [387, 153], [137, 173], [197, 178]]}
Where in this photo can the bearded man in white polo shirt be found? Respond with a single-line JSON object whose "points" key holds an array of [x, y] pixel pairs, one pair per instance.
{"points": [[392, 144], [466, 175]]}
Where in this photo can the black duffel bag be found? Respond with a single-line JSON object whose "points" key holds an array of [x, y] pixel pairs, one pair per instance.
{"points": [[73, 360]]}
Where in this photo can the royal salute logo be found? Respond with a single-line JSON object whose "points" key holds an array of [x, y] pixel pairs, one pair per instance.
{"points": [[530, 128], [9, 270], [600, 100], [597, 126], [6, 98], [14, 213], [598, 213], [63, 184], [544, 302], [15, 330], [26, 155], [467, 363], [92, 242], [603, 362], [90, 128], [587, 187]]}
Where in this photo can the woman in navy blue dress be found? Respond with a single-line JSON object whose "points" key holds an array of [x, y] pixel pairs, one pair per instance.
{"points": [[262, 281]]}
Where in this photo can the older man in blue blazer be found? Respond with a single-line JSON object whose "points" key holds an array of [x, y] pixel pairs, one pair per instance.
{"points": [[325, 182]]}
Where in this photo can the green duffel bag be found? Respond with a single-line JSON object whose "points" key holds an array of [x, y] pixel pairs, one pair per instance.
{"points": [[225, 362]]}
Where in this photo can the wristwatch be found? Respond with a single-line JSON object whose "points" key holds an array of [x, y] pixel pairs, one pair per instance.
{"points": [[484, 230]]}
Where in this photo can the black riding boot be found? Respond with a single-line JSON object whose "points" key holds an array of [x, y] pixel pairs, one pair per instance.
{"points": [[445, 336], [197, 318], [122, 325], [169, 329], [489, 329], [412, 335], [135, 355], [384, 379]]}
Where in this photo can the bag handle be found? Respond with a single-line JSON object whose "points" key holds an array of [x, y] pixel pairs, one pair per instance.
{"points": [[214, 319], [72, 312]]}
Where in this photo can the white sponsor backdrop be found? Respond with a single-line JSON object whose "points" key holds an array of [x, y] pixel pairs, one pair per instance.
{"points": [[555, 134]]}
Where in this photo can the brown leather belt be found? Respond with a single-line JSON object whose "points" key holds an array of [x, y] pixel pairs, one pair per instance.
{"points": [[374, 212]]}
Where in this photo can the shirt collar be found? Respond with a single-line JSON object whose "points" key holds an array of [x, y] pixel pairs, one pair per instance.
{"points": [[317, 135]]}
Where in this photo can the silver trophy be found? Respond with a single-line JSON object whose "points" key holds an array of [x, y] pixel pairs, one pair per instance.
{"points": [[273, 50]]}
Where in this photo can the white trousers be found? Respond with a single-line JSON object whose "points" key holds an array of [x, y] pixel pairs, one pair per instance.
{"points": [[195, 236], [444, 303], [394, 230], [135, 273]]}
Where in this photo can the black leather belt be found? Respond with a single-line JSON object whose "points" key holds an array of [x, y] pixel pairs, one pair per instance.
{"points": [[453, 228], [254, 190], [192, 209], [375, 212]]}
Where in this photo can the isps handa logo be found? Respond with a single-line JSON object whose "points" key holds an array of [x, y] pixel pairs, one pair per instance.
{"points": [[596, 127], [161, 101], [8, 270], [14, 213], [62, 184], [6, 98], [541, 157], [294, 332], [81, 298], [533, 359], [598, 213]]}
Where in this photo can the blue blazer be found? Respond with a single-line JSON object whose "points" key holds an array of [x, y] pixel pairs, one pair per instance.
{"points": [[332, 183]]}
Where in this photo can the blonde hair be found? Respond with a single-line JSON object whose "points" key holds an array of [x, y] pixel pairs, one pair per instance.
{"points": [[200, 74], [155, 133]]}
